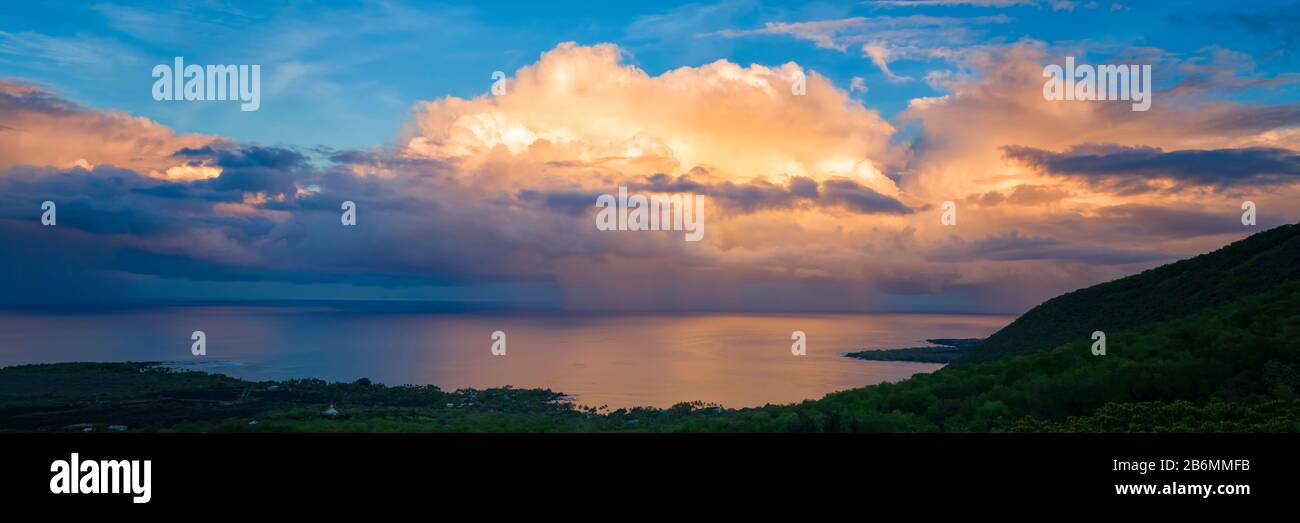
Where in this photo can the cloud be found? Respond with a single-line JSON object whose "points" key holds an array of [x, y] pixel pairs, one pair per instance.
{"points": [[813, 201], [739, 122], [1012, 246], [45, 130], [861, 199], [950, 3], [1056, 5], [1135, 168], [1003, 92], [477, 191], [1156, 222], [824, 33], [1220, 71], [1025, 195], [879, 55], [883, 39], [81, 50], [686, 19], [799, 192], [858, 85], [251, 168]]}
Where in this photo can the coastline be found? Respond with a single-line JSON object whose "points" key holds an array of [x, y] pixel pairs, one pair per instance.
{"points": [[162, 396], [152, 397], [943, 350]]}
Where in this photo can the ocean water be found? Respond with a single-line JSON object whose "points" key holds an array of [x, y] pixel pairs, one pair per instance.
{"points": [[735, 360]]}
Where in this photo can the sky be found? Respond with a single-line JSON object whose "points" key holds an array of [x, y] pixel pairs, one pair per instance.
{"points": [[828, 140]]}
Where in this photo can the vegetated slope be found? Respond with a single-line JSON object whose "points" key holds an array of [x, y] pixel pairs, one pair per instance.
{"points": [[1245, 268], [1234, 367]]}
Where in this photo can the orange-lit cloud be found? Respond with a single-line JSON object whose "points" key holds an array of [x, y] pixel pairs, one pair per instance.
{"points": [[583, 104], [43, 130]]}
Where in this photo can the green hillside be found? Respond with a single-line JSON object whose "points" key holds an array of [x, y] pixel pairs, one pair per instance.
{"points": [[1245, 268], [1234, 367]]}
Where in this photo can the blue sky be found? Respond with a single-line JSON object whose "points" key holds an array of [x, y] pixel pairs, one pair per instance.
{"points": [[345, 74]]}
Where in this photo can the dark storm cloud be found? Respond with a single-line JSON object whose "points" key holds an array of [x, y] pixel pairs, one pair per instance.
{"points": [[760, 195], [115, 224], [860, 198], [103, 201], [182, 191], [196, 152], [417, 225], [254, 169], [252, 156], [1130, 169], [564, 202], [664, 183], [385, 157]]}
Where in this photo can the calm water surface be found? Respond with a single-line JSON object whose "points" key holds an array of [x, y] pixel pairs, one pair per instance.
{"points": [[736, 360]]}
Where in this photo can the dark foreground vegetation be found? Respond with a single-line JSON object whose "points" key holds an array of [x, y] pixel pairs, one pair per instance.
{"points": [[945, 351], [1206, 344]]}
